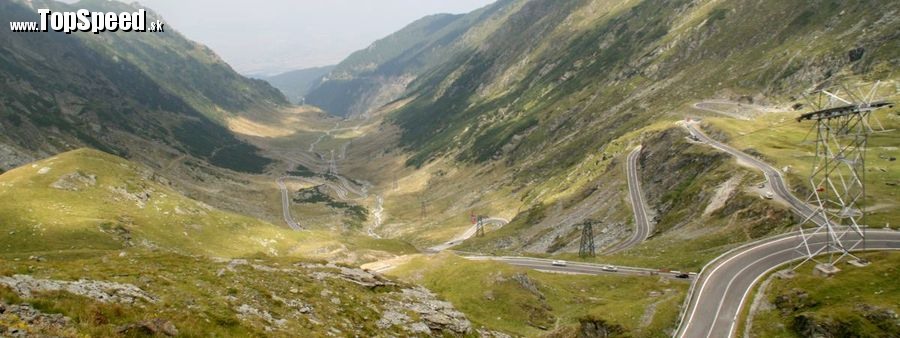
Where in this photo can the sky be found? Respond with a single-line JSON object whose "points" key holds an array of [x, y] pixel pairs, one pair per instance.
{"points": [[265, 37]]}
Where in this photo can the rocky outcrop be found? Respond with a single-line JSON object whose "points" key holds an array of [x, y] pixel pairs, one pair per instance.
{"points": [[140, 198], [357, 276], [25, 321], [412, 310], [880, 322], [106, 292], [436, 317], [74, 181], [528, 284], [668, 166], [599, 328], [247, 312]]}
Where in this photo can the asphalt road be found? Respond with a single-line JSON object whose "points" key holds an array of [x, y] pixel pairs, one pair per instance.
{"points": [[773, 176], [642, 226], [574, 267], [724, 285], [286, 205], [466, 235]]}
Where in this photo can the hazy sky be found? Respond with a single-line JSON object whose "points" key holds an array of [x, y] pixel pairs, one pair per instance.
{"points": [[271, 36]]}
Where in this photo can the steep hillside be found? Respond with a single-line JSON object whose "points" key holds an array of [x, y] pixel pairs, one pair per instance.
{"points": [[534, 121], [124, 93], [180, 66], [381, 73], [296, 84], [560, 71]]}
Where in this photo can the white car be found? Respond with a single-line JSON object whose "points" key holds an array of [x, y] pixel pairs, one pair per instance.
{"points": [[769, 195], [558, 263], [609, 268]]}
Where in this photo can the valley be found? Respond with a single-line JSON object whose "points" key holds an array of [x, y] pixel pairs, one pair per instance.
{"points": [[439, 181]]}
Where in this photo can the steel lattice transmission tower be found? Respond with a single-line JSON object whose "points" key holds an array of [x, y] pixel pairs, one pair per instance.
{"points": [[587, 240], [842, 125], [479, 227]]}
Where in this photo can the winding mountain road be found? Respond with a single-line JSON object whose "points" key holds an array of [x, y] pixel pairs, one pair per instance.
{"points": [[467, 234], [722, 289], [286, 205], [712, 107], [642, 226], [773, 176], [716, 300]]}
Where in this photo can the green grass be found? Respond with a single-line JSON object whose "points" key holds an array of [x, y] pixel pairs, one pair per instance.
{"points": [[787, 143], [488, 294], [837, 302], [198, 295], [38, 218]]}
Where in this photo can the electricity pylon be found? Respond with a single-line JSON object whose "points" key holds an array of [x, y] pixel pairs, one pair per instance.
{"points": [[479, 226], [587, 240], [843, 122]]}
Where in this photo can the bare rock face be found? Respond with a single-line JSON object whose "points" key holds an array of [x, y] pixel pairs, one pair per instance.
{"points": [[598, 328], [74, 181], [140, 198], [107, 292], [438, 317], [11, 157], [528, 284]]}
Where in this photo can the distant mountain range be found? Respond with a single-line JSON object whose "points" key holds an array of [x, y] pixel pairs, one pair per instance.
{"points": [[296, 84], [381, 73]]}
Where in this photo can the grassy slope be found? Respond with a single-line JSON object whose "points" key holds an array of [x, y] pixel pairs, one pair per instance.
{"points": [[486, 292], [786, 143], [684, 239], [529, 131], [38, 218], [199, 296], [837, 299]]}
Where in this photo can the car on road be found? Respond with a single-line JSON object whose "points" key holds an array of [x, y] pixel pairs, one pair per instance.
{"points": [[609, 268], [558, 263], [682, 275]]}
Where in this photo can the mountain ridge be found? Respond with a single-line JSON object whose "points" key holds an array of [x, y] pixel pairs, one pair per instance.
{"points": [[296, 84], [121, 92]]}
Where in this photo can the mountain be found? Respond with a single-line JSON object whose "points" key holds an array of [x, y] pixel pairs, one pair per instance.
{"points": [[296, 84], [534, 121], [584, 69], [570, 125], [379, 74], [132, 94]]}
